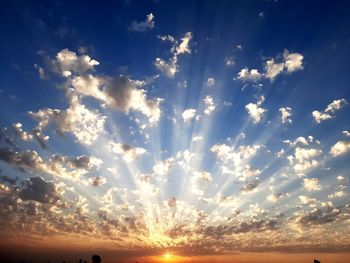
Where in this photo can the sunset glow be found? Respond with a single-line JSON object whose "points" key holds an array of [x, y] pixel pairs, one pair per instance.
{"points": [[174, 131]]}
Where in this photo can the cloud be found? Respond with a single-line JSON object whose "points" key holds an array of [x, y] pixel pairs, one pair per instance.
{"points": [[210, 105], [250, 186], [301, 141], [197, 138], [311, 184], [319, 216], [210, 82], [337, 194], [306, 200], [57, 165], [163, 167], [304, 159], [203, 176], [172, 202], [128, 152], [340, 148], [346, 133], [256, 112], [97, 180], [188, 114], [286, 113], [143, 26], [37, 189], [291, 62], [170, 67], [229, 61], [329, 112], [67, 62], [120, 93], [86, 125], [245, 75], [274, 197], [273, 69]]}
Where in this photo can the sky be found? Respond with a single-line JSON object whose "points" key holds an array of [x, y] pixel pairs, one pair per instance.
{"points": [[175, 131]]}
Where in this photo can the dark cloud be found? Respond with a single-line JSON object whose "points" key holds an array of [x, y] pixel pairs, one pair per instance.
{"points": [[37, 189]]}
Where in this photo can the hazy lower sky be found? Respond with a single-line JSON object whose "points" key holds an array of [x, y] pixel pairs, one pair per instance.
{"points": [[175, 131]]}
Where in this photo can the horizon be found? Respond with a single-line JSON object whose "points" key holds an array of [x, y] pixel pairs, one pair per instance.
{"points": [[175, 131]]}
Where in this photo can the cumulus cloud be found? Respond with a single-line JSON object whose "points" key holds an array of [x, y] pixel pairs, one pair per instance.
{"points": [[286, 113], [290, 62], [143, 26], [304, 159], [57, 165], [337, 194], [188, 114], [311, 184], [128, 152], [97, 180], [293, 61], [170, 67], [256, 112], [163, 167], [210, 105], [274, 197], [346, 133], [329, 112], [210, 82], [197, 138], [250, 186], [245, 75], [37, 189], [120, 93], [68, 62], [273, 69], [340, 148], [229, 61], [86, 125]]}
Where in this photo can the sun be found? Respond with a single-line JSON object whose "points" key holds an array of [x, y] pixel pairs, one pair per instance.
{"points": [[167, 256]]}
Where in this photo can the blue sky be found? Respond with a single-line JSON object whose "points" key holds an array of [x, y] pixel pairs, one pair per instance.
{"points": [[133, 118]]}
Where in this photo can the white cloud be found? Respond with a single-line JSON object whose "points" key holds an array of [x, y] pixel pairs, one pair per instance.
{"points": [[184, 47], [256, 112], [229, 61], [163, 167], [293, 61], [329, 112], [274, 197], [210, 105], [306, 200], [337, 194], [246, 75], [346, 133], [340, 148], [197, 138], [273, 69], [120, 93], [170, 67], [128, 152], [86, 125], [188, 114], [304, 159], [143, 26], [210, 82], [311, 184], [68, 63], [286, 113]]}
